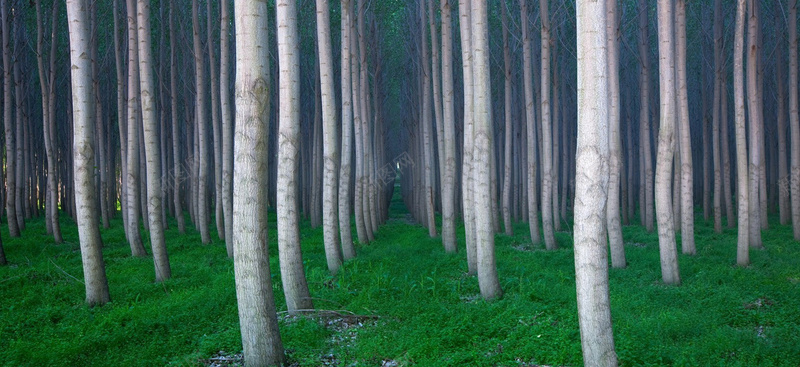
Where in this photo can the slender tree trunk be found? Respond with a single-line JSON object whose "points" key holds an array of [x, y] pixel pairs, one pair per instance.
{"points": [[177, 162], [293, 277], [215, 124], [591, 187], [8, 107], [742, 253], [200, 117], [614, 144], [687, 187], [755, 124], [437, 96], [151, 146], [122, 119], [261, 339], [135, 239], [94, 273], [780, 74], [715, 130], [427, 121], [102, 158], [448, 186], [465, 13], [345, 170], [330, 203], [726, 161], [547, 135], [530, 112], [666, 144], [484, 231], [508, 226], [794, 121], [227, 125], [644, 117]]}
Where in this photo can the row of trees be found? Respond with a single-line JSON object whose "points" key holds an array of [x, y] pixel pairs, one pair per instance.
{"points": [[402, 104]]}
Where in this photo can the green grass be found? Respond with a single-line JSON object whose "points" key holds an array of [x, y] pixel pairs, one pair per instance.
{"points": [[429, 310]]}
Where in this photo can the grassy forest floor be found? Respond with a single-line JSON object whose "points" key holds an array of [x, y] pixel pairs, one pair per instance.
{"points": [[415, 303]]}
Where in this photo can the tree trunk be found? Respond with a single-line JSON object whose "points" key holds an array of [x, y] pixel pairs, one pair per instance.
{"points": [[200, 117], [484, 232], [614, 144], [293, 277], [644, 118], [530, 112], [427, 135], [794, 122], [135, 239], [715, 130], [687, 187], [257, 316], [330, 203], [227, 125], [177, 162], [448, 112], [547, 135], [346, 169], [8, 107], [666, 144], [509, 231], [755, 124], [215, 124], [591, 187], [94, 273], [151, 146], [121, 119], [742, 253], [780, 74], [468, 206]]}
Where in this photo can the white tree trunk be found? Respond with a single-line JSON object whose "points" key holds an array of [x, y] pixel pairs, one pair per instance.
{"points": [[530, 118], [448, 115], [591, 188], [152, 146], [666, 144], [464, 12], [794, 122], [200, 118], [330, 150], [614, 142], [687, 187], [547, 135], [94, 273], [346, 168], [257, 317], [293, 277], [135, 237], [742, 252], [482, 155]]}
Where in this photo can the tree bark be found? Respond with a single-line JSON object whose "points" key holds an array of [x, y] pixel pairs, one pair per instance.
{"points": [[468, 206], [666, 144], [644, 118], [687, 187], [794, 122], [200, 118], [756, 125], [227, 125], [8, 108], [614, 142], [257, 316], [509, 231], [427, 121], [346, 169], [484, 232], [547, 135], [448, 115], [151, 146], [94, 273], [742, 253], [591, 187], [780, 74], [330, 150], [293, 277], [715, 130], [135, 239], [530, 113], [177, 162], [216, 133]]}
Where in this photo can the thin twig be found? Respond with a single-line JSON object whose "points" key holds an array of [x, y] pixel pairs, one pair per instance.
{"points": [[68, 274]]}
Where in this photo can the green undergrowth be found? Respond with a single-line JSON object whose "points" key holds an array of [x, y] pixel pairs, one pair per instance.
{"points": [[403, 300]]}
